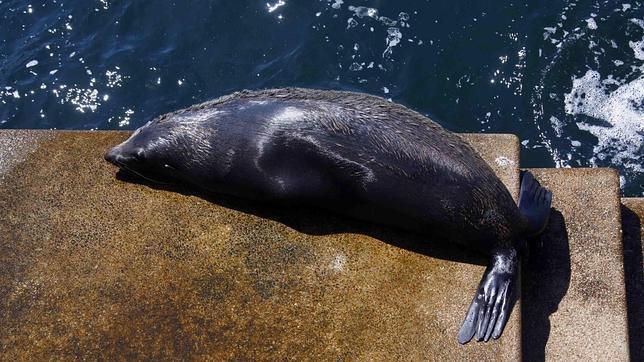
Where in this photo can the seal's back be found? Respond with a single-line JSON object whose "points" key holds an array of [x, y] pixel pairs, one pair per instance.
{"points": [[378, 154]]}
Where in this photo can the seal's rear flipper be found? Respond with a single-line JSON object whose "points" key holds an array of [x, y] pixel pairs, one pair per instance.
{"points": [[534, 203], [493, 300]]}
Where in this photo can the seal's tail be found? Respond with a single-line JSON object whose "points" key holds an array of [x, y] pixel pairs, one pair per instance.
{"points": [[534, 203], [494, 299]]}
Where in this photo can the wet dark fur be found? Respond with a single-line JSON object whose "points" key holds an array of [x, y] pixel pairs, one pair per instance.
{"points": [[355, 153], [352, 153]]}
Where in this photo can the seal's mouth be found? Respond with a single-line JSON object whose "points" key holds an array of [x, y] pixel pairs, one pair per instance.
{"points": [[126, 169], [114, 157]]}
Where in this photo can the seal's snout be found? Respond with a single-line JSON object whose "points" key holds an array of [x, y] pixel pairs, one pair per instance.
{"points": [[120, 157], [112, 156]]}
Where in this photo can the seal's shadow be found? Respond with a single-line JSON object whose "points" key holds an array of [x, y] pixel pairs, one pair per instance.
{"points": [[545, 277], [634, 278], [314, 221]]}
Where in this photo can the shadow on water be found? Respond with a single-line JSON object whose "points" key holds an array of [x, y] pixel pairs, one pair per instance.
{"points": [[634, 278], [314, 221], [545, 279]]}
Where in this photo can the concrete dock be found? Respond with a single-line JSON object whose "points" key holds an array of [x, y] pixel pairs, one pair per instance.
{"points": [[96, 266]]}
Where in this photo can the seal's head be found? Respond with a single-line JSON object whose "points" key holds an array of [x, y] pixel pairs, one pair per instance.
{"points": [[143, 154], [160, 150]]}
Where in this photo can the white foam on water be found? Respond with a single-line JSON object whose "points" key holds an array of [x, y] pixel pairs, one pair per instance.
{"points": [[337, 4], [638, 48], [639, 22], [369, 15], [275, 6], [606, 102], [362, 11], [621, 138], [557, 125], [393, 38]]}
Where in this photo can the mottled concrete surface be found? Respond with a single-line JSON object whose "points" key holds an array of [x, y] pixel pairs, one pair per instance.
{"points": [[633, 233], [92, 266], [574, 304], [14, 149]]}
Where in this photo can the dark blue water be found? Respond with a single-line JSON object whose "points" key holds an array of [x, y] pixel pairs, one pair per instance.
{"points": [[566, 76]]}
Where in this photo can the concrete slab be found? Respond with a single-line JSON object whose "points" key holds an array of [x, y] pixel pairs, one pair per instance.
{"points": [[633, 234], [573, 302], [91, 266]]}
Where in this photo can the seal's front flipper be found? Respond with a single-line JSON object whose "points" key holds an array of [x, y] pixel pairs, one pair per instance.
{"points": [[493, 300], [534, 203]]}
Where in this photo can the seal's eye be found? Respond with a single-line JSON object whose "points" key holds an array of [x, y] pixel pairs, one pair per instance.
{"points": [[139, 154]]}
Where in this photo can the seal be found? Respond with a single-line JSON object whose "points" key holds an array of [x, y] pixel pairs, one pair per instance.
{"points": [[358, 155]]}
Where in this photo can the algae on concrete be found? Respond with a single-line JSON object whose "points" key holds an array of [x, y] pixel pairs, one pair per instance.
{"points": [[93, 266]]}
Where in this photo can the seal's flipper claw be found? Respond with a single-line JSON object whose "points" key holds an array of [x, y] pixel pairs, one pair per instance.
{"points": [[498, 304], [468, 328], [534, 203], [493, 301], [506, 309]]}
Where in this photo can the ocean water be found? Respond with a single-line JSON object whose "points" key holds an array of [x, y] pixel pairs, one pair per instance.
{"points": [[566, 76]]}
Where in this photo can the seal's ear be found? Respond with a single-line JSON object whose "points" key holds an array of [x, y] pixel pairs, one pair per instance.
{"points": [[492, 304]]}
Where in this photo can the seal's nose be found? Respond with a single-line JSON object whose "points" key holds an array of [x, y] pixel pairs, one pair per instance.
{"points": [[120, 155], [112, 156]]}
